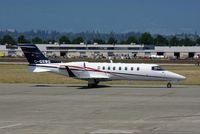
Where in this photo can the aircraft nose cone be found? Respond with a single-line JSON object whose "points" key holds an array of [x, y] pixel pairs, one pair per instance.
{"points": [[181, 77], [175, 76]]}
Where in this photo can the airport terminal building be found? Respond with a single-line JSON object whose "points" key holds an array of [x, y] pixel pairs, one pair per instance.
{"points": [[117, 51]]}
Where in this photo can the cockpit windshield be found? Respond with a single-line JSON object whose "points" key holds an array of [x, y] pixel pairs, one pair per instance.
{"points": [[157, 68]]}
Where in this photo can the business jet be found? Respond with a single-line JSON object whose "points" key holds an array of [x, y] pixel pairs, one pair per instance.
{"points": [[97, 72]]}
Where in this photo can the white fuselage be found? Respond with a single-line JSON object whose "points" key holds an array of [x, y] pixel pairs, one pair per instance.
{"points": [[108, 71]]}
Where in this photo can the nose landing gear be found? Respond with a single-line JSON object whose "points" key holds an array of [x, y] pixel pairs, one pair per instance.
{"points": [[169, 85]]}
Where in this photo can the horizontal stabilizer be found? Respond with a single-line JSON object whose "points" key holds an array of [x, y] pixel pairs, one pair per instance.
{"points": [[36, 69]]}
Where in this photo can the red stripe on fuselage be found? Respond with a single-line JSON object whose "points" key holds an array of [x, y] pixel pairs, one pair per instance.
{"points": [[78, 67], [93, 69], [89, 68]]}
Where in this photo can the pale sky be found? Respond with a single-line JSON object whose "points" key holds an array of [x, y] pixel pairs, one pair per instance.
{"points": [[156, 16]]}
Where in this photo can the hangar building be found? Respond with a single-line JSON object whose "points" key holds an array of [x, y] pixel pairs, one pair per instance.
{"points": [[118, 51]]}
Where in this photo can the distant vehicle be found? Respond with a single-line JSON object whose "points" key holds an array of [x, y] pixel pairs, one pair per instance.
{"points": [[97, 72], [197, 56], [156, 56]]}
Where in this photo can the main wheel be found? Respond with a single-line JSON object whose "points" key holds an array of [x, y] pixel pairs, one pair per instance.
{"points": [[169, 85], [93, 83]]}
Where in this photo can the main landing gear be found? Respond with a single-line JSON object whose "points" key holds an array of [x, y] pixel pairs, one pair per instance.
{"points": [[169, 85], [93, 83]]}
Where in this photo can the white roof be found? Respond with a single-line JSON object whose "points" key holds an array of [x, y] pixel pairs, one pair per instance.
{"points": [[177, 49]]}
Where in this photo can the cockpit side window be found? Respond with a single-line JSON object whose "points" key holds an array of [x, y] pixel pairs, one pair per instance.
{"points": [[157, 68]]}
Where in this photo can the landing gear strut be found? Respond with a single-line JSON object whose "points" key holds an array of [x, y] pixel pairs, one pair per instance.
{"points": [[169, 85]]}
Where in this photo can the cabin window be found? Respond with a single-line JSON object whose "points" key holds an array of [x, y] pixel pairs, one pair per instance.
{"points": [[131, 68], [125, 68], [108, 68], [103, 68], [157, 68], [113, 68], [120, 68], [138, 68]]}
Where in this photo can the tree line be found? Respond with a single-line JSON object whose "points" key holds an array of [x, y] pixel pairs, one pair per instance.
{"points": [[144, 38]]}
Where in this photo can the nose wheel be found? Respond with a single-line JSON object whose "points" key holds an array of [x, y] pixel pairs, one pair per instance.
{"points": [[169, 85]]}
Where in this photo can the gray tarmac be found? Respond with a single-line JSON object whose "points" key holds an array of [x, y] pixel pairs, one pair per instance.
{"points": [[75, 109]]}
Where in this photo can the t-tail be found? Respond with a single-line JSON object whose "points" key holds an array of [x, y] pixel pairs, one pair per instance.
{"points": [[34, 55]]}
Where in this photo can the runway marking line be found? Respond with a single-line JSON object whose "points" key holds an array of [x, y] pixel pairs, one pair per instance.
{"points": [[106, 131], [10, 126]]}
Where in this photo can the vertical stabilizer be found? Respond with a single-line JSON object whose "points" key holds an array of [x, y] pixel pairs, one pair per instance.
{"points": [[34, 55]]}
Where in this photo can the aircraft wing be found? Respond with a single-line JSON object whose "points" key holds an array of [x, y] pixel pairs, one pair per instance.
{"points": [[86, 74], [100, 76]]}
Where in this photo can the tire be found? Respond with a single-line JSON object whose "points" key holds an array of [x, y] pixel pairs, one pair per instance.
{"points": [[92, 85], [169, 85]]}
